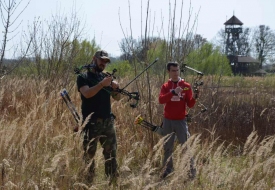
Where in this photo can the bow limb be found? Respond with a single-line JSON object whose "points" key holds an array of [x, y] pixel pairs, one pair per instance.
{"points": [[197, 82]]}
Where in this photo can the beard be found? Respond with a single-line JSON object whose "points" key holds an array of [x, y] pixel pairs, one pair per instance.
{"points": [[97, 68]]}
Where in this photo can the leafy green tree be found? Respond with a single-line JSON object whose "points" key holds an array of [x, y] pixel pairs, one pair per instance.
{"points": [[84, 51], [209, 60], [123, 68]]}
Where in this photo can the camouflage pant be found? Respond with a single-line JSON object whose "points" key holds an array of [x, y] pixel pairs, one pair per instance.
{"points": [[102, 131]]}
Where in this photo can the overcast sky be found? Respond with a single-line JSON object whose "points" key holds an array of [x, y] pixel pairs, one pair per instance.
{"points": [[101, 17]]}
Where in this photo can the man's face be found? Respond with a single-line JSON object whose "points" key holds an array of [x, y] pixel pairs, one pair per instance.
{"points": [[101, 63], [174, 72]]}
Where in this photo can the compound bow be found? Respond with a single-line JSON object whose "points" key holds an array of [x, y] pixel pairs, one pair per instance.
{"points": [[131, 95], [197, 82]]}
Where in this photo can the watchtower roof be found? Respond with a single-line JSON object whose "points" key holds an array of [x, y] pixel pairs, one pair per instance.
{"points": [[233, 21]]}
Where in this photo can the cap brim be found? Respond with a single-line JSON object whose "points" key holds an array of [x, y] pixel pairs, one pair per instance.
{"points": [[104, 57]]}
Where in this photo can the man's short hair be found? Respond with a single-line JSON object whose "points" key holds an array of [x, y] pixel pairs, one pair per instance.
{"points": [[174, 64], [102, 54]]}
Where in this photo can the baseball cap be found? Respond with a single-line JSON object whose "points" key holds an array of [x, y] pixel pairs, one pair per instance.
{"points": [[102, 54]]}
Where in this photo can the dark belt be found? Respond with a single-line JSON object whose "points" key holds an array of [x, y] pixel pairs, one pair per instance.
{"points": [[98, 119], [94, 121]]}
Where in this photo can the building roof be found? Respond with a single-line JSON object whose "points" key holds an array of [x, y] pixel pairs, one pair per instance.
{"points": [[247, 59], [260, 71], [233, 21]]}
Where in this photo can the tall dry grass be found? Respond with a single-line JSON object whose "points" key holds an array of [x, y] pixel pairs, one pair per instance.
{"points": [[232, 143]]}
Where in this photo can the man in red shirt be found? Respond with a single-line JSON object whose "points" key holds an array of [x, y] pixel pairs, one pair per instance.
{"points": [[176, 94]]}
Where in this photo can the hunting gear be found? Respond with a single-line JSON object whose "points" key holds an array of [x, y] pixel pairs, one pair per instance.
{"points": [[197, 82], [96, 89], [131, 95], [176, 94], [66, 98], [140, 121]]}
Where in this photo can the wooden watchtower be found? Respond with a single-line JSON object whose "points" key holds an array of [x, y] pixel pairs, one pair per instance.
{"points": [[233, 29], [240, 64]]}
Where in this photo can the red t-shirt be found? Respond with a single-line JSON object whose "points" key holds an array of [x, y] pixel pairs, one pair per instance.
{"points": [[175, 105]]}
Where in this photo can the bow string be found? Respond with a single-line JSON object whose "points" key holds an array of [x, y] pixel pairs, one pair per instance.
{"points": [[195, 86]]}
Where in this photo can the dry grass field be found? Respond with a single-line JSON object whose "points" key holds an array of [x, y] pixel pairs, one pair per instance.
{"points": [[232, 143]]}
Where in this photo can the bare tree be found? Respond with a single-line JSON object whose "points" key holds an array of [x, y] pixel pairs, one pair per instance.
{"points": [[10, 11], [54, 45], [264, 44], [243, 44], [169, 47]]}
